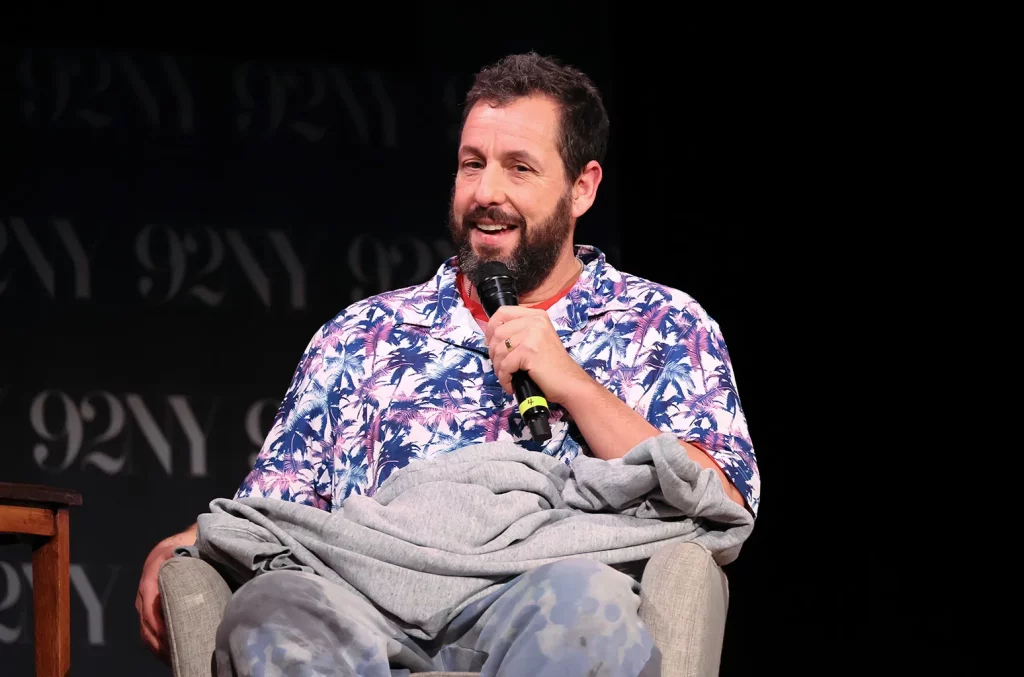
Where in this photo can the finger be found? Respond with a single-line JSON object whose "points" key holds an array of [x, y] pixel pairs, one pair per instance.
{"points": [[146, 632], [539, 321], [506, 313], [511, 328], [497, 348], [152, 641], [501, 324], [505, 380], [509, 312], [510, 364], [154, 613], [503, 375], [521, 343]]}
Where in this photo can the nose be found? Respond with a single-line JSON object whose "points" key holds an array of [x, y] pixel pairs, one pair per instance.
{"points": [[490, 188]]}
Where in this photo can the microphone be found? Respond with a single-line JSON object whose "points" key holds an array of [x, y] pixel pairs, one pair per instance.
{"points": [[496, 287]]}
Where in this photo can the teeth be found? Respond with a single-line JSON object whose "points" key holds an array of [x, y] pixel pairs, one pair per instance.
{"points": [[490, 228]]}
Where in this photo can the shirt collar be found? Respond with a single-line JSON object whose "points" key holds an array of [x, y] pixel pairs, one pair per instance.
{"points": [[437, 305]]}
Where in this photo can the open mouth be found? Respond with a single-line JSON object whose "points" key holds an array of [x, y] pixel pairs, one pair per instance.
{"points": [[493, 227]]}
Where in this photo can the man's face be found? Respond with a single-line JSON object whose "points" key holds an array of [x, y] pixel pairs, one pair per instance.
{"points": [[511, 201]]}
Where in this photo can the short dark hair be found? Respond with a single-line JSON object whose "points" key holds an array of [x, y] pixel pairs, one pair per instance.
{"points": [[583, 133]]}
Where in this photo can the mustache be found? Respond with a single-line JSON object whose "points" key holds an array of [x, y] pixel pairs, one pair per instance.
{"points": [[493, 214]]}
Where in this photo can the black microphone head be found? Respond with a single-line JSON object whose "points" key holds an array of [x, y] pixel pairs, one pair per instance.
{"points": [[491, 269], [496, 286]]}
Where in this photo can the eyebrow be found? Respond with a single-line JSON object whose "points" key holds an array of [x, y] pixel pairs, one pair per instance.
{"points": [[522, 155]]}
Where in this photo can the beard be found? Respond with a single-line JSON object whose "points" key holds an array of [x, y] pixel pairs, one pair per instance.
{"points": [[534, 255]]}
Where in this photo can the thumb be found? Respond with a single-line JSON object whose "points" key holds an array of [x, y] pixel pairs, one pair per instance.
{"points": [[152, 605], [155, 612]]}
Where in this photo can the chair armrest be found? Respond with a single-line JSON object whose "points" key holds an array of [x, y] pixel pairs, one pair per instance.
{"points": [[193, 595], [684, 597]]}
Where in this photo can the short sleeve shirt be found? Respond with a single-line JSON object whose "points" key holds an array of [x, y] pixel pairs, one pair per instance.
{"points": [[405, 375]]}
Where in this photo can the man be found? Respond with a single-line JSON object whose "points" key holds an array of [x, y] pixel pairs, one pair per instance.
{"points": [[422, 371]]}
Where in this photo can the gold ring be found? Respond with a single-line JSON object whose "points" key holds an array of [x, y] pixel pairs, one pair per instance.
{"points": [[508, 344]]}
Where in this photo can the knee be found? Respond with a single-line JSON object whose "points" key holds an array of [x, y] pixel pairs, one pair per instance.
{"points": [[285, 618], [273, 590], [274, 597], [583, 590], [576, 566], [580, 573], [578, 615]]}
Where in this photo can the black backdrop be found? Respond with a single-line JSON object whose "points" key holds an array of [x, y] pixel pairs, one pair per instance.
{"points": [[179, 221]]}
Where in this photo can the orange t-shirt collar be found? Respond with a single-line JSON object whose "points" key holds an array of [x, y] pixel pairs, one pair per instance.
{"points": [[481, 315]]}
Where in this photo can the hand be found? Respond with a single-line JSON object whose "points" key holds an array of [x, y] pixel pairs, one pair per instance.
{"points": [[536, 349], [147, 600]]}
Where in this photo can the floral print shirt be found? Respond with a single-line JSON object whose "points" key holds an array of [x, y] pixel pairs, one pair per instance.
{"points": [[405, 375]]}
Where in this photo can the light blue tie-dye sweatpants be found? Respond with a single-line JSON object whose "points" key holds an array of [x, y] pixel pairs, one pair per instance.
{"points": [[574, 617]]}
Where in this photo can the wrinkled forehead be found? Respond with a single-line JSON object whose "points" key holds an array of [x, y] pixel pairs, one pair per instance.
{"points": [[528, 124]]}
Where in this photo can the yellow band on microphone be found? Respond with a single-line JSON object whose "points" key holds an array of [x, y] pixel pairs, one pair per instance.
{"points": [[530, 403]]}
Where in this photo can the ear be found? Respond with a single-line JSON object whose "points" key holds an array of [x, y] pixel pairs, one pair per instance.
{"points": [[584, 191]]}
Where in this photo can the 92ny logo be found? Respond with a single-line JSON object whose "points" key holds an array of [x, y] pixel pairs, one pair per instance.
{"points": [[212, 267], [105, 431], [89, 588], [171, 264]]}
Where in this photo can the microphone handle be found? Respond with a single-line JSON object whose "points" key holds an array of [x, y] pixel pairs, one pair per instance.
{"points": [[496, 291], [533, 406]]}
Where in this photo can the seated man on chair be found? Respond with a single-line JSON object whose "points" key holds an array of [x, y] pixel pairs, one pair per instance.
{"points": [[422, 371]]}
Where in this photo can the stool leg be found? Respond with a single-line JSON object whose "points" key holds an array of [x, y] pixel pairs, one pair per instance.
{"points": [[51, 587]]}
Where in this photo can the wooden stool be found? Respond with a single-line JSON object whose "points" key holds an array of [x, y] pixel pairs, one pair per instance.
{"points": [[39, 515]]}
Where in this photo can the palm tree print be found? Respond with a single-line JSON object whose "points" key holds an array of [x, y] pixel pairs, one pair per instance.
{"points": [[405, 376]]}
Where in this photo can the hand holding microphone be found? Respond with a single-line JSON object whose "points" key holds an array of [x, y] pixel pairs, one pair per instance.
{"points": [[529, 358]]}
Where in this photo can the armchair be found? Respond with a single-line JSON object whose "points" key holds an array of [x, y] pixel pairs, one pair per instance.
{"points": [[683, 600]]}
